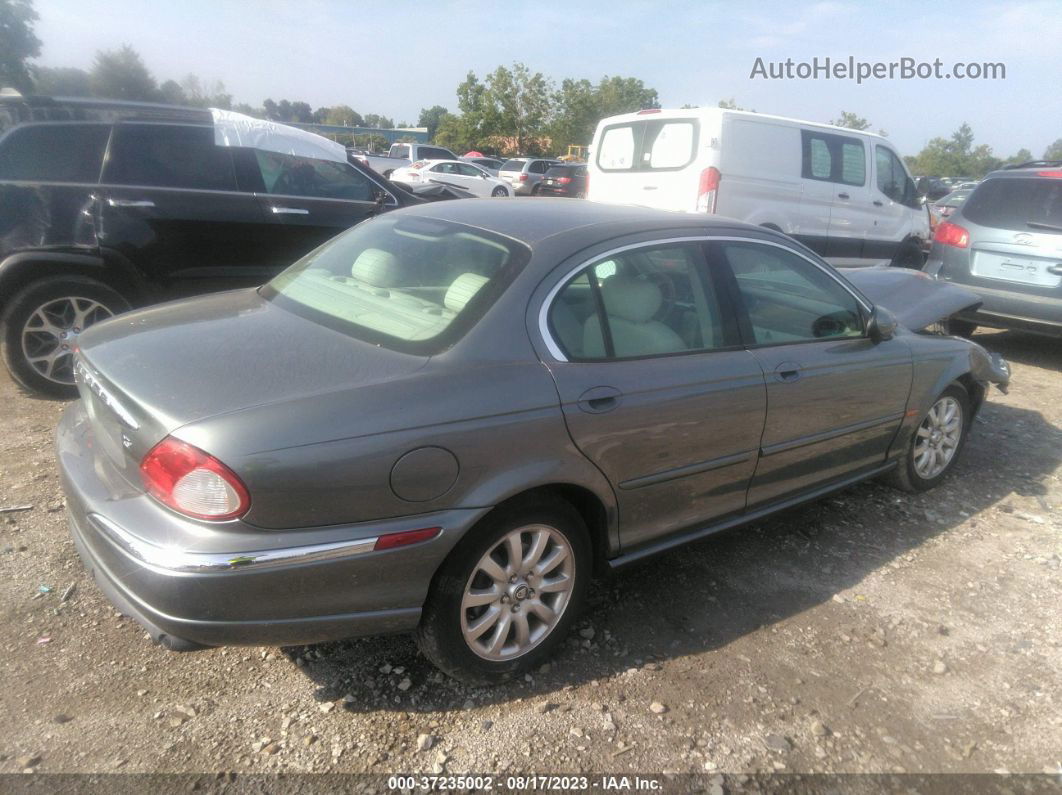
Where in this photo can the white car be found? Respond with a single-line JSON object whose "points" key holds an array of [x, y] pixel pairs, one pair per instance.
{"points": [[453, 172], [845, 194]]}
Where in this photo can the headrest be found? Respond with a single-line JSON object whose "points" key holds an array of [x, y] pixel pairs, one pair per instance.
{"points": [[378, 268], [631, 299], [463, 290]]}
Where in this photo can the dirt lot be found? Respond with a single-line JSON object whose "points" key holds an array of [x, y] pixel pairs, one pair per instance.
{"points": [[871, 632]]}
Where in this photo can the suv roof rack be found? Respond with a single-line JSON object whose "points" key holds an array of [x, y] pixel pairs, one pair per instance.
{"points": [[40, 108], [1035, 164]]}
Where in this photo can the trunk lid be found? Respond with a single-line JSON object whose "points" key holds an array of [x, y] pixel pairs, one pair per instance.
{"points": [[144, 374]]}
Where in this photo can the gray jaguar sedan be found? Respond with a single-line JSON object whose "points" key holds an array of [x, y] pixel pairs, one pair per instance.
{"points": [[449, 418]]}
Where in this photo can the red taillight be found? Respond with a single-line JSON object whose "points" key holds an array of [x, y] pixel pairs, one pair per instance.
{"points": [[564, 180], [586, 184], [192, 482], [708, 190], [1057, 174], [418, 164], [952, 235], [406, 537], [523, 177]]}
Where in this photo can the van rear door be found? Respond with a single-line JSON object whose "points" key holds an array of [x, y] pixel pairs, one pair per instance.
{"points": [[649, 160]]}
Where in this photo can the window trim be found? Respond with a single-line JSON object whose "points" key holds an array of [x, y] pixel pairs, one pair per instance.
{"points": [[554, 349]]}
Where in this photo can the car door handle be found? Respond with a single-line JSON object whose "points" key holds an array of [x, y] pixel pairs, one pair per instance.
{"points": [[650, 187], [878, 204], [288, 210], [843, 196], [600, 399], [130, 202], [1055, 270], [787, 372]]}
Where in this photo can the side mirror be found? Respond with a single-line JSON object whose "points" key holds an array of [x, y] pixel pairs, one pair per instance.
{"points": [[882, 324]]}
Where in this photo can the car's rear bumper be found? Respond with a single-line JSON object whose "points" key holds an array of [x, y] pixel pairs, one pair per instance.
{"points": [[265, 590], [1016, 310]]}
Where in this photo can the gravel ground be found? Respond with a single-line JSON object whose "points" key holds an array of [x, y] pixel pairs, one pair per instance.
{"points": [[870, 632]]}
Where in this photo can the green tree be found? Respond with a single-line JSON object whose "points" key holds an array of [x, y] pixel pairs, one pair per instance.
{"points": [[577, 112], [203, 95], [1054, 151], [121, 74], [339, 115], [453, 133], [851, 120], [731, 104], [617, 95], [955, 156], [17, 43], [1023, 155], [62, 81], [430, 118], [380, 122], [518, 104]]}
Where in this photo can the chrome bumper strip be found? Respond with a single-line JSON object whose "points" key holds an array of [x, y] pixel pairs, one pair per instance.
{"points": [[180, 562]]}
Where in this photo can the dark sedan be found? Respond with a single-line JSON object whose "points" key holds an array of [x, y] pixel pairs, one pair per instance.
{"points": [[568, 180], [448, 418]]}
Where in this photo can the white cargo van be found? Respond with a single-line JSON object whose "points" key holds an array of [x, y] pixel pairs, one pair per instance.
{"points": [[843, 193]]}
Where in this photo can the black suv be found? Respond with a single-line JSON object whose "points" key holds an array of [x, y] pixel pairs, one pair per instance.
{"points": [[108, 205]]}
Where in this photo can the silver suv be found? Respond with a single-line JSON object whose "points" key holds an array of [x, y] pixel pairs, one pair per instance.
{"points": [[525, 174], [1005, 243]]}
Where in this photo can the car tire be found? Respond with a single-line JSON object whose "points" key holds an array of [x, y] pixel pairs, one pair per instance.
{"points": [[499, 192], [960, 328], [480, 642], [908, 255], [52, 305], [536, 190], [911, 473]]}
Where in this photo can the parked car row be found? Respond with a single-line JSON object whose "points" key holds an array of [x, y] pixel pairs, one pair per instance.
{"points": [[107, 205], [459, 173]]}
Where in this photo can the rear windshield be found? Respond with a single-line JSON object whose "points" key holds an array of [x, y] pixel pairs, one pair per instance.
{"points": [[411, 284], [513, 165], [1017, 203], [648, 145], [54, 152], [399, 150]]}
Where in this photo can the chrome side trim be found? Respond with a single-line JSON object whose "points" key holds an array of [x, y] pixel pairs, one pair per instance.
{"points": [[180, 562], [547, 303]]}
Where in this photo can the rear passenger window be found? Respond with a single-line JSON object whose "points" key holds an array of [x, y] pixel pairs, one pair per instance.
{"points": [[169, 156], [54, 152], [539, 167], [648, 302], [649, 145], [833, 158]]}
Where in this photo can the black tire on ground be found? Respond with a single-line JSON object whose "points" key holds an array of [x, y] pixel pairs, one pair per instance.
{"points": [[498, 192], [908, 255], [905, 476], [536, 189], [960, 328], [439, 634], [19, 311]]}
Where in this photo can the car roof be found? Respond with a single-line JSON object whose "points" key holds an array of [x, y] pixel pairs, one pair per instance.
{"points": [[533, 221], [1031, 169]]}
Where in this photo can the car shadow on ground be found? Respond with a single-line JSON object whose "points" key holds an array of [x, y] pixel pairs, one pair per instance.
{"points": [[1021, 347], [715, 591]]}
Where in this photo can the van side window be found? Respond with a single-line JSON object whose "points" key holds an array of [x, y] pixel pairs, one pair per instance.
{"points": [[54, 152], [834, 158], [617, 149]]}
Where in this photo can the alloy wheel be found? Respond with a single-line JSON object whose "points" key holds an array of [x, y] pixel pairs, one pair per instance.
{"points": [[938, 438], [49, 334], [517, 592]]}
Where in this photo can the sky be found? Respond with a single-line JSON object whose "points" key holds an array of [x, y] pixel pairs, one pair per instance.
{"points": [[398, 57]]}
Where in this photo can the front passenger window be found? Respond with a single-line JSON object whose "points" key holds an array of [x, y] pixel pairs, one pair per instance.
{"points": [[789, 299], [293, 175]]}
